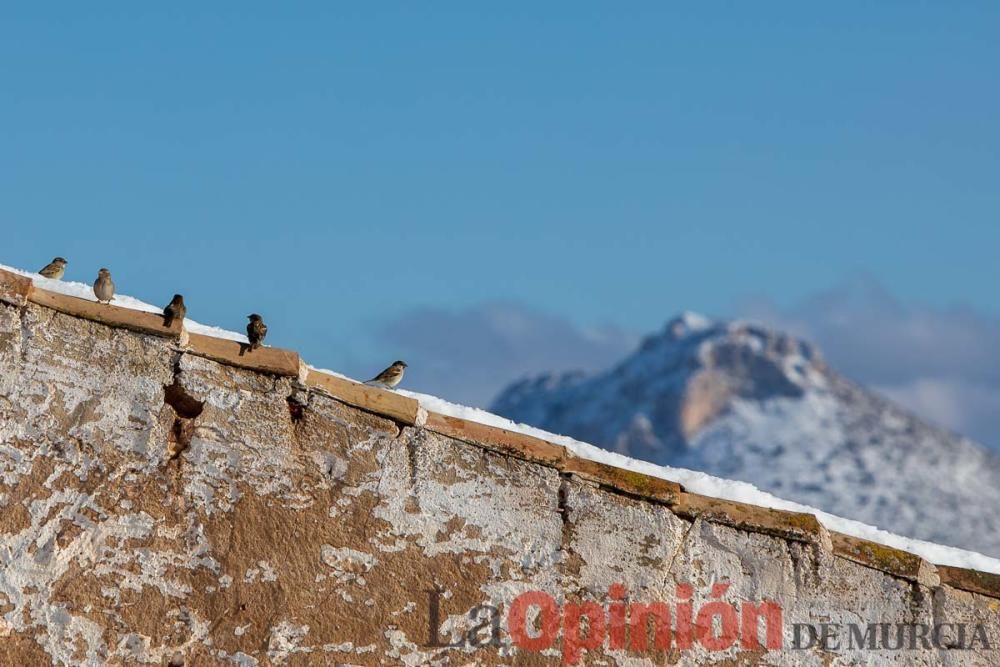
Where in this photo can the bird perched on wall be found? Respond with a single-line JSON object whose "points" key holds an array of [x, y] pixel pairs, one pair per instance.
{"points": [[391, 376], [175, 310], [256, 330], [54, 269], [104, 287]]}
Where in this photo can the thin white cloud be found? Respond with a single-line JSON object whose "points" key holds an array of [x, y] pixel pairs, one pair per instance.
{"points": [[941, 363], [469, 355]]}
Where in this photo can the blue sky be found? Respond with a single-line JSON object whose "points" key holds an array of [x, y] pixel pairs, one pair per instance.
{"points": [[603, 164]]}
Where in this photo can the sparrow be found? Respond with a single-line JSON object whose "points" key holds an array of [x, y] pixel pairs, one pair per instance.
{"points": [[54, 269], [174, 310], [391, 376], [256, 331], [104, 287]]}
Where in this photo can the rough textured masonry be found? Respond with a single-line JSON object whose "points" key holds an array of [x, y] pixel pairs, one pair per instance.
{"points": [[162, 507]]}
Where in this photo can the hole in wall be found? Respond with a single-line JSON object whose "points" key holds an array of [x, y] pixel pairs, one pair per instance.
{"points": [[296, 409], [183, 403], [187, 408]]}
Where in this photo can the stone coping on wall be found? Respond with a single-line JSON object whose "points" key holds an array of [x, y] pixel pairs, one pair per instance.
{"points": [[371, 399], [792, 526], [877, 556], [14, 288], [19, 290], [508, 442], [984, 583], [111, 315], [271, 360]]}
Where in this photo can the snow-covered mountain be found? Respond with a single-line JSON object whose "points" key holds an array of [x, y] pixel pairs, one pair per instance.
{"points": [[742, 401]]}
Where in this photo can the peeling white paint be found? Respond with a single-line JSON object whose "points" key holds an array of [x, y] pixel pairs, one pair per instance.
{"points": [[284, 640], [99, 430]]}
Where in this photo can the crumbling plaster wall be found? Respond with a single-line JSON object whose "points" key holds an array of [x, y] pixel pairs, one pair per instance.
{"points": [[162, 508]]}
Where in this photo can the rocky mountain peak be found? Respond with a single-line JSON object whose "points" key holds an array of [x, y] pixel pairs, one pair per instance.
{"points": [[740, 400], [757, 361]]}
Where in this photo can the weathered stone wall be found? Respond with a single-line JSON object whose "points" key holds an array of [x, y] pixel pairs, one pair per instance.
{"points": [[160, 507]]}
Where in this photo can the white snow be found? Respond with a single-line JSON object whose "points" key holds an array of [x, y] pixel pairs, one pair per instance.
{"points": [[692, 480], [695, 321], [85, 291], [327, 371], [716, 487]]}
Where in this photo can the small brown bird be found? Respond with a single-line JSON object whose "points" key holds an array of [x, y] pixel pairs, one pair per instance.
{"points": [[391, 376], [256, 331], [54, 269], [174, 310], [104, 287]]}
